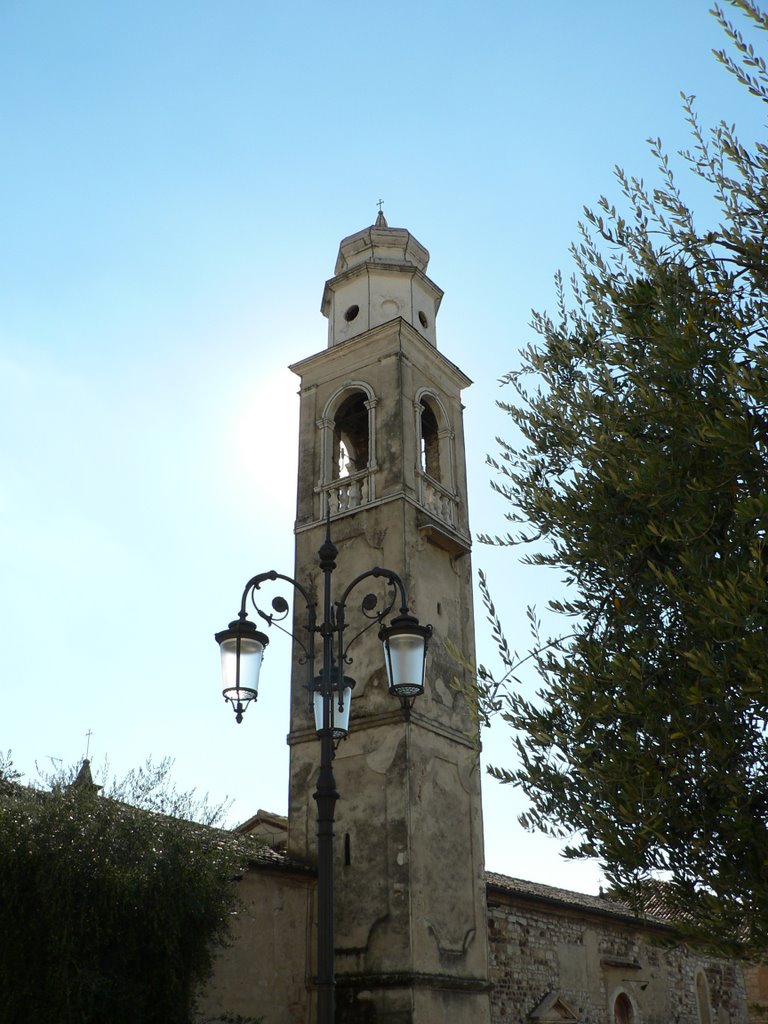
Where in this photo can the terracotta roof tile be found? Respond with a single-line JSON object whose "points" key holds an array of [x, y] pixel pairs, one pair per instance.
{"points": [[573, 900]]}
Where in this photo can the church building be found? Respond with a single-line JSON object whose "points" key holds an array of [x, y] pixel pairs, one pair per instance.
{"points": [[423, 934]]}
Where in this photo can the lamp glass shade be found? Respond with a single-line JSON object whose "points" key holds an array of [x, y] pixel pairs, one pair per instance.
{"points": [[242, 649], [339, 709], [250, 655], [405, 655]]}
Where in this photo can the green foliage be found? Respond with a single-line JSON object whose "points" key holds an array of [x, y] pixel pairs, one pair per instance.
{"points": [[150, 787], [643, 477], [108, 913], [7, 771]]}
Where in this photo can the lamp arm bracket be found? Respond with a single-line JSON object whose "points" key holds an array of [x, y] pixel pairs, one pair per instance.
{"points": [[394, 580], [272, 620], [369, 604], [281, 608], [255, 582], [344, 657]]}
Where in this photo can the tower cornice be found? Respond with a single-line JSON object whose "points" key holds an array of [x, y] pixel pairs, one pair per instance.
{"points": [[361, 345], [377, 267]]}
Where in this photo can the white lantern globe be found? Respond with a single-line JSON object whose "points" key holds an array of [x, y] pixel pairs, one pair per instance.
{"points": [[340, 703], [405, 656], [242, 649]]}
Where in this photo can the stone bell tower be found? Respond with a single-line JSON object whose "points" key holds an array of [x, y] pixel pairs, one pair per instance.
{"points": [[381, 448]]}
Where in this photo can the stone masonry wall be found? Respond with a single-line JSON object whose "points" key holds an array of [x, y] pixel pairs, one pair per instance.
{"points": [[587, 960], [756, 979]]}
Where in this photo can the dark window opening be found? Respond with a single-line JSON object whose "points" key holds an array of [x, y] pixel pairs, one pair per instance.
{"points": [[622, 1010], [430, 443], [347, 850], [350, 437]]}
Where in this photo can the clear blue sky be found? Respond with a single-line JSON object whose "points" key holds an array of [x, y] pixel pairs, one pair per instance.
{"points": [[174, 182]]}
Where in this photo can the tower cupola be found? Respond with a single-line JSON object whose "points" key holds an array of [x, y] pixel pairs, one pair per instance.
{"points": [[380, 275]]}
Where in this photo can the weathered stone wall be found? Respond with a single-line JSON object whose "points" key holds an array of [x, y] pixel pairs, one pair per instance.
{"points": [[264, 970], [409, 901], [756, 979], [550, 960], [587, 959]]}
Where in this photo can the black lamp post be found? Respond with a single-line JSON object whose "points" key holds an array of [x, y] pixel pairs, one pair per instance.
{"points": [[405, 652]]}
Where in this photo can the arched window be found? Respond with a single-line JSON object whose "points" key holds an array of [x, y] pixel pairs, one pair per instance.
{"points": [[435, 475], [702, 999], [351, 442], [623, 1011], [348, 449], [430, 441]]}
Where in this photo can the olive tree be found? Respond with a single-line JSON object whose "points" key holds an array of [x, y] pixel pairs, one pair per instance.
{"points": [[642, 475], [108, 911]]}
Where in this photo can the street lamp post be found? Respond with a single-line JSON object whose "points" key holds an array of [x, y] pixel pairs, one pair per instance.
{"points": [[405, 650]]}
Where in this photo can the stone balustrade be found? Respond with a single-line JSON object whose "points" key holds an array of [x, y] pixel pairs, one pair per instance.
{"points": [[352, 491], [347, 493], [438, 500]]}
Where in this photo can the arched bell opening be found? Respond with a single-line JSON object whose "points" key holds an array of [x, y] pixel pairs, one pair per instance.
{"points": [[435, 469], [348, 450], [351, 437], [429, 441]]}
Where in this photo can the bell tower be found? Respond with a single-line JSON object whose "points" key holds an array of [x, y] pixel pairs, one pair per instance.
{"points": [[381, 451]]}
